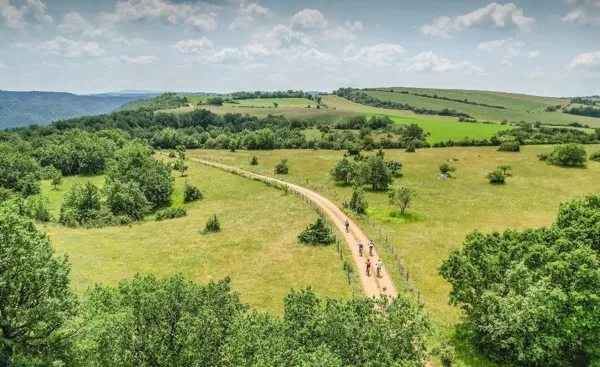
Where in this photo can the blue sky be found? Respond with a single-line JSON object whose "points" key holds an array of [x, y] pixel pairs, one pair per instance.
{"points": [[546, 47]]}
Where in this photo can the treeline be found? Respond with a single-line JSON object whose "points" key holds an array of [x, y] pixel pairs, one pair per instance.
{"points": [[146, 321], [165, 101], [278, 94], [591, 101], [435, 96], [583, 111], [358, 96]]}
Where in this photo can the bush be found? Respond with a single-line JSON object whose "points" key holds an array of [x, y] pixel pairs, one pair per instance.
{"points": [[317, 234], [254, 161], [171, 213], [180, 166], [595, 156], [496, 177], [358, 201], [375, 172], [446, 168], [543, 157], [81, 205], [568, 155], [282, 168], [510, 146], [126, 199], [402, 197], [410, 148], [57, 179], [394, 167], [345, 171], [172, 154], [447, 355], [191, 193], [212, 225], [48, 172], [28, 185]]}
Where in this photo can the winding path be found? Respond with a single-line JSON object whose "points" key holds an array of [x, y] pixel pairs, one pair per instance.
{"points": [[372, 286]]}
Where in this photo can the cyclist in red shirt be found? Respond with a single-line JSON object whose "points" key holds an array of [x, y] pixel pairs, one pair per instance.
{"points": [[368, 263]]}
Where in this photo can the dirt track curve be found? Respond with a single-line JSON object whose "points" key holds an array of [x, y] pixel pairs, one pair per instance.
{"points": [[372, 286]]}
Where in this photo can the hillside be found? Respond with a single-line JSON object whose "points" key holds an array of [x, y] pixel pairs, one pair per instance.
{"points": [[165, 101], [25, 108]]}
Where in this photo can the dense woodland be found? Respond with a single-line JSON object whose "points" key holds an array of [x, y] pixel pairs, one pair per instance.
{"points": [[583, 111], [165, 101], [277, 94]]}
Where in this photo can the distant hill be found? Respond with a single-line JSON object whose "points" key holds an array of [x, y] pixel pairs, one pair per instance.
{"points": [[26, 108], [165, 101]]}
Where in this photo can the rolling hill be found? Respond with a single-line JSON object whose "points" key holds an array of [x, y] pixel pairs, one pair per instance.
{"points": [[27, 108]]}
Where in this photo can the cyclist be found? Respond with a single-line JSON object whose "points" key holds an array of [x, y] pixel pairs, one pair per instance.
{"points": [[347, 225], [379, 265], [371, 245], [368, 263], [360, 247]]}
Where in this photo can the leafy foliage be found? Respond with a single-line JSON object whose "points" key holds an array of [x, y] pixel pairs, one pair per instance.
{"points": [[282, 168], [165, 101], [531, 297], [171, 213], [254, 161], [81, 205], [447, 169], [510, 146], [212, 225], [191, 193], [318, 233], [358, 201], [375, 172], [595, 156], [126, 199], [180, 166], [569, 155], [345, 171], [403, 197], [496, 177]]}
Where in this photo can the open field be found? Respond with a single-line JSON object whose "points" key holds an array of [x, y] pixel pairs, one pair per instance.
{"points": [[445, 211], [488, 113], [257, 246]]}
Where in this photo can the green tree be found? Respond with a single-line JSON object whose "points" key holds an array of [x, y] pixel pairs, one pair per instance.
{"points": [[212, 225], [595, 156], [345, 172], [402, 197], [358, 201], [395, 167], [568, 155], [275, 104], [254, 161], [496, 177], [37, 299], [376, 173], [28, 185], [126, 199], [317, 234], [505, 168], [282, 167], [81, 204], [215, 101], [180, 166], [447, 169], [191, 193], [57, 179], [15, 166], [532, 297]]}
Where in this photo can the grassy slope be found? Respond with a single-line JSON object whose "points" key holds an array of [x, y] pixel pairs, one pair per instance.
{"points": [[488, 113], [257, 246], [445, 211]]}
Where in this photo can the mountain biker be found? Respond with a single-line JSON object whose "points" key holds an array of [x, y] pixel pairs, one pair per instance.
{"points": [[347, 225], [379, 265], [368, 263], [360, 247], [371, 245]]}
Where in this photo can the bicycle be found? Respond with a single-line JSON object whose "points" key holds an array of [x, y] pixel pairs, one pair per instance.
{"points": [[378, 272]]}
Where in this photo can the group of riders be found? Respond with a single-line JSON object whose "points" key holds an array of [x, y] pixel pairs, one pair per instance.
{"points": [[378, 264]]}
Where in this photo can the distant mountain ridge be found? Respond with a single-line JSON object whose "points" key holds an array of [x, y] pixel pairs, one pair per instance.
{"points": [[26, 108]]}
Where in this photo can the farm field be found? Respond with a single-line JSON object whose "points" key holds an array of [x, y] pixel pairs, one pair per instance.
{"points": [[489, 113], [257, 246], [444, 211]]}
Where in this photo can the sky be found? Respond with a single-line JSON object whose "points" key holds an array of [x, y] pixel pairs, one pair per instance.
{"points": [[543, 47]]}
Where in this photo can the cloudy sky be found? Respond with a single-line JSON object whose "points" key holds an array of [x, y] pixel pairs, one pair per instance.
{"points": [[547, 47]]}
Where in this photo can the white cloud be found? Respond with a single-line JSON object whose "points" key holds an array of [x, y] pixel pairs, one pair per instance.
{"points": [[309, 19], [381, 54], [140, 60], [229, 55], [200, 46], [190, 13], [279, 38], [129, 41], [74, 22], [588, 60], [17, 17], [507, 48], [65, 47], [346, 32], [247, 15], [314, 55], [497, 14], [428, 61], [533, 54], [587, 12]]}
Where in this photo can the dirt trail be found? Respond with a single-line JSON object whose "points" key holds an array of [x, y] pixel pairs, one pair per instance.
{"points": [[372, 286]]}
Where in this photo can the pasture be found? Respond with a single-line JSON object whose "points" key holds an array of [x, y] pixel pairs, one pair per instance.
{"points": [[445, 211], [257, 246]]}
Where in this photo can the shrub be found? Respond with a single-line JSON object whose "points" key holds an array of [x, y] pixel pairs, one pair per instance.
{"points": [[191, 193], [282, 168], [402, 197], [254, 161], [358, 201], [496, 177], [410, 148], [568, 155], [446, 168], [172, 154], [595, 156], [57, 179], [126, 199], [510, 146], [344, 171], [394, 167], [81, 205], [317, 233], [447, 355], [212, 225], [5, 194], [28, 185], [180, 166], [505, 168], [543, 157], [171, 213]]}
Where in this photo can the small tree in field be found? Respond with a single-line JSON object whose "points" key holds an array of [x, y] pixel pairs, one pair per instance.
{"points": [[212, 226], [275, 104], [282, 168], [568, 155], [446, 168], [316, 234], [191, 193], [505, 168], [254, 161], [57, 180], [496, 177], [358, 201], [180, 166], [402, 197]]}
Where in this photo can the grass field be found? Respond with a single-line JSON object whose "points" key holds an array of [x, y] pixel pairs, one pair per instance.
{"points": [[489, 113], [257, 246], [445, 211]]}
